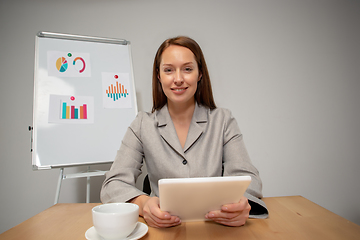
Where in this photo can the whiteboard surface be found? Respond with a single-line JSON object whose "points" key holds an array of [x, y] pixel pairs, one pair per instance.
{"points": [[60, 144]]}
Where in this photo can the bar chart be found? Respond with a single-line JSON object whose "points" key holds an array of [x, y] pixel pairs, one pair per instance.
{"points": [[69, 109], [73, 112], [116, 91]]}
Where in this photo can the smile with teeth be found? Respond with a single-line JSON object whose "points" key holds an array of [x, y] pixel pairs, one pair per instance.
{"points": [[178, 89]]}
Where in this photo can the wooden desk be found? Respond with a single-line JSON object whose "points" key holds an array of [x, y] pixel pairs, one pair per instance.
{"points": [[290, 218]]}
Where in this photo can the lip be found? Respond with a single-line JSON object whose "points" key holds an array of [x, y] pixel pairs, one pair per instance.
{"points": [[179, 90]]}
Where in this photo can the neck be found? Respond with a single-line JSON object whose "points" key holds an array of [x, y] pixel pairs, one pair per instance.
{"points": [[181, 113]]}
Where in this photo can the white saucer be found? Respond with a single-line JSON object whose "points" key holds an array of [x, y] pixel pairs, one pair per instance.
{"points": [[139, 231]]}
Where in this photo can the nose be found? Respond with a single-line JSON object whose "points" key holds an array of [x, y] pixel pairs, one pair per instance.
{"points": [[178, 78]]}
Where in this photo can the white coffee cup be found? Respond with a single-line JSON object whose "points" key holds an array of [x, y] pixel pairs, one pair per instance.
{"points": [[115, 220]]}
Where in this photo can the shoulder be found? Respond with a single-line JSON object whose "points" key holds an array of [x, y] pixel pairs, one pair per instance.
{"points": [[217, 118], [220, 115], [221, 112], [201, 111], [143, 120], [145, 115], [142, 117], [223, 117]]}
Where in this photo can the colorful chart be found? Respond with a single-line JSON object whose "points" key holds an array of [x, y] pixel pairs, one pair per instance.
{"points": [[67, 109], [71, 112], [61, 64], [117, 91], [82, 60]]}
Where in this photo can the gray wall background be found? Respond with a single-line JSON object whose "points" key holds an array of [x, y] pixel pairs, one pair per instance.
{"points": [[288, 70]]}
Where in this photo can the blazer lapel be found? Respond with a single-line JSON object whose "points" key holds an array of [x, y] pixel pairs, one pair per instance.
{"points": [[167, 130], [197, 126]]}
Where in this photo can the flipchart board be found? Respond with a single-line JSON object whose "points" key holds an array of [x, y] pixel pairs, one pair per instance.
{"points": [[84, 99]]}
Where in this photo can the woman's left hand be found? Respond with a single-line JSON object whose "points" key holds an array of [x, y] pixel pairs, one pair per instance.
{"points": [[231, 214]]}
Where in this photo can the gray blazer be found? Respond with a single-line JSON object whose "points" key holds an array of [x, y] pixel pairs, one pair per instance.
{"points": [[214, 147]]}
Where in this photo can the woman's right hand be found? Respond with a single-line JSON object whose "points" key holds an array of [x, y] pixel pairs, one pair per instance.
{"points": [[154, 217]]}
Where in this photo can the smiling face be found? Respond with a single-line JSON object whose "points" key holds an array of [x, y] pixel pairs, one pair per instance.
{"points": [[178, 75]]}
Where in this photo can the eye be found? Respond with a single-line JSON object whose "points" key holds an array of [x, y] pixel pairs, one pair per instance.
{"points": [[188, 69], [167, 70]]}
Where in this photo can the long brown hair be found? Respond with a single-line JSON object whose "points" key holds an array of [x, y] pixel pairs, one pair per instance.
{"points": [[203, 94]]}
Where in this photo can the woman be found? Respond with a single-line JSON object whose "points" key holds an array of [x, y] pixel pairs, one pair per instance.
{"points": [[185, 135]]}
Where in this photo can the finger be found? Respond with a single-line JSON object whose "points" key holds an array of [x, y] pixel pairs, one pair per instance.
{"points": [[170, 220], [153, 206], [221, 215], [152, 209], [159, 223], [156, 212], [236, 218], [230, 219], [162, 217], [237, 223], [229, 213], [242, 205], [157, 218]]}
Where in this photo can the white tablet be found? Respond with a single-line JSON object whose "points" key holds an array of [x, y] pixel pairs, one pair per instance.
{"points": [[192, 198]]}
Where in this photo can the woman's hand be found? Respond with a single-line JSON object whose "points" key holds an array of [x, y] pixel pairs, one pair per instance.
{"points": [[149, 208], [231, 214]]}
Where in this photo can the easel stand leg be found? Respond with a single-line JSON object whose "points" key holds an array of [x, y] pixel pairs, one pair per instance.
{"points": [[57, 195], [88, 187], [86, 174]]}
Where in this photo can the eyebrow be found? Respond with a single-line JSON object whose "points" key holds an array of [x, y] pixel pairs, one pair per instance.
{"points": [[169, 64]]}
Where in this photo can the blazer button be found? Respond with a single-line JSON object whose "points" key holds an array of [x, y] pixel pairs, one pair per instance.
{"points": [[184, 162]]}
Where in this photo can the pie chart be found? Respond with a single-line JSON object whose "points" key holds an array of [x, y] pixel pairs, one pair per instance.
{"points": [[61, 64], [83, 62]]}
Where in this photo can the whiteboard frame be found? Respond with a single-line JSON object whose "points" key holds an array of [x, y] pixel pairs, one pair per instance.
{"points": [[36, 165]]}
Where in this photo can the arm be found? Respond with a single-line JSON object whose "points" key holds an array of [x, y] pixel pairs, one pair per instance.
{"points": [[119, 184], [236, 163]]}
